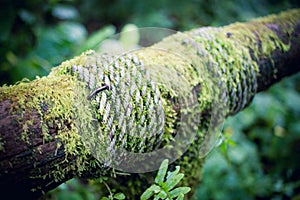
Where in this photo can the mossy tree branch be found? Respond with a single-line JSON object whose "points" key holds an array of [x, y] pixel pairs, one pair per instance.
{"points": [[41, 120]]}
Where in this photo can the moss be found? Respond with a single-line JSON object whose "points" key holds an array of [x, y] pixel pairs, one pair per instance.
{"points": [[61, 104], [200, 77], [228, 58], [111, 106], [170, 73], [86, 58], [182, 81], [213, 67], [263, 36], [170, 117], [197, 62]]}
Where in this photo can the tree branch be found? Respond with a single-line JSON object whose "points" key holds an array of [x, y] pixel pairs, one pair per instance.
{"points": [[43, 122]]}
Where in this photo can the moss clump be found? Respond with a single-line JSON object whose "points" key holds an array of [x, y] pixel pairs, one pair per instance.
{"points": [[262, 35], [60, 102]]}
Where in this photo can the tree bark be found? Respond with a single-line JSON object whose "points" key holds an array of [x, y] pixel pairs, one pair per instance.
{"points": [[41, 121]]}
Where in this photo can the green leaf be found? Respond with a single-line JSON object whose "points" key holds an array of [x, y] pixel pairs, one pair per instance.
{"points": [[119, 196], [104, 198], [223, 148], [172, 182], [129, 36], [147, 194], [153, 189], [156, 188], [181, 190], [162, 172], [180, 197], [231, 143], [161, 195], [96, 38], [175, 172], [102, 179]]}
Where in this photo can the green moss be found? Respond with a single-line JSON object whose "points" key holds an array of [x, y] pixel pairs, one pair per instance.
{"points": [[173, 80], [61, 104], [87, 58], [205, 57], [219, 64], [139, 93], [262, 36], [208, 70], [170, 117]]}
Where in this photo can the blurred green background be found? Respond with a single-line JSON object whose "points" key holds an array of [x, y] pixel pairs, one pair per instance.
{"points": [[260, 156]]}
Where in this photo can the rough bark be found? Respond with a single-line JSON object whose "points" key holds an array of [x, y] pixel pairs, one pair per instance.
{"points": [[40, 120]]}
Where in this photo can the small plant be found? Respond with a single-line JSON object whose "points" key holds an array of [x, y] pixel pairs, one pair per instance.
{"points": [[117, 196], [226, 141], [164, 186], [111, 196]]}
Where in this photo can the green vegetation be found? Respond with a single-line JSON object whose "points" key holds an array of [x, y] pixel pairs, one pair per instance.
{"points": [[165, 183], [60, 109], [259, 157], [37, 35], [163, 188]]}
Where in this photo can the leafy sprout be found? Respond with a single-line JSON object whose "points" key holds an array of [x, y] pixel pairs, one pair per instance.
{"points": [[164, 186], [111, 196]]}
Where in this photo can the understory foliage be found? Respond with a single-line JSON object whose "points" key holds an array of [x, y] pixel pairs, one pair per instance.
{"points": [[164, 185], [260, 160]]}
